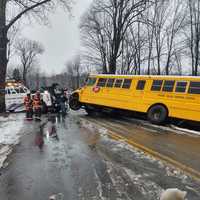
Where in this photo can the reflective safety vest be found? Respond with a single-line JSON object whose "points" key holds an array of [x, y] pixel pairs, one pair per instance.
{"points": [[36, 102], [28, 103]]}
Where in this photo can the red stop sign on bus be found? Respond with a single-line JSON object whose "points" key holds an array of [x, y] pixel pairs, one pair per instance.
{"points": [[96, 89]]}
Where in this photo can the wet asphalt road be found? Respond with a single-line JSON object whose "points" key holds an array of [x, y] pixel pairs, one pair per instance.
{"points": [[180, 147], [62, 156]]}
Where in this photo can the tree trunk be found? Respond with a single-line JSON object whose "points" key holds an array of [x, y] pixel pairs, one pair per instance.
{"points": [[24, 76], [139, 50], [3, 52], [158, 63], [197, 24], [113, 65], [196, 56], [104, 64]]}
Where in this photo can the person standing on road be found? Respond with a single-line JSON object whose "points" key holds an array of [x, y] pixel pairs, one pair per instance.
{"points": [[63, 102], [37, 105], [29, 107]]}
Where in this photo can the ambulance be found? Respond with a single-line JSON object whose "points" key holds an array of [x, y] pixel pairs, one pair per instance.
{"points": [[15, 93], [14, 96]]}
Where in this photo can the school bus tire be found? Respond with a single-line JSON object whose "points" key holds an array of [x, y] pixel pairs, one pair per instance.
{"points": [[74, 102], [157, 114]]}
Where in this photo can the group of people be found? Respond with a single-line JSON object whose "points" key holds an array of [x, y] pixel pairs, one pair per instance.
{"points": [[33, 105]]}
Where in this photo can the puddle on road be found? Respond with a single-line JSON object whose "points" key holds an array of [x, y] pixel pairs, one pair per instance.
{"points": [[47, 130]]}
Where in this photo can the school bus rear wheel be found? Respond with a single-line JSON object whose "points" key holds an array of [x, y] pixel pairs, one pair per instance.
{"points": [[157, 114]]}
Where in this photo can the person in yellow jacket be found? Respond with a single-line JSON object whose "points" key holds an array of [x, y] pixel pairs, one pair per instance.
{"points": [[37, 105], [29, 106]]}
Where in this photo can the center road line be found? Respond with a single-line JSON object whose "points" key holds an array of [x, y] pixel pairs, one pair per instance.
{"points": [[166, 159]]}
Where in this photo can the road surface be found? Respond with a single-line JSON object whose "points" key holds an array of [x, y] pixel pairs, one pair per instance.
{"points": [[179, 146], [70, 157]]}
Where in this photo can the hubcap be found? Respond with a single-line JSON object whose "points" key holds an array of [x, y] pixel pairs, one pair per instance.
{"points": [[157, 114]]}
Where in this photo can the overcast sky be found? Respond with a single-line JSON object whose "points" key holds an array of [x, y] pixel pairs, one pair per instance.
{"points": [[61, 39]]}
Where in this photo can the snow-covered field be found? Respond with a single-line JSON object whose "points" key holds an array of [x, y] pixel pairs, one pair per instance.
{"points": [[9, 134]]}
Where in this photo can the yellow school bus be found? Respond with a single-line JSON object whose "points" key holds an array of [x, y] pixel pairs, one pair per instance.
{"points": [[159, 97]]}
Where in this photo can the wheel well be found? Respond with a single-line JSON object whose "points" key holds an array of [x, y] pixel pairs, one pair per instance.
{"points": [[159, 104]]}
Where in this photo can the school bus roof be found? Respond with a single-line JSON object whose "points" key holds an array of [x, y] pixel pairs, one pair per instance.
{"points": [[144, 76]]}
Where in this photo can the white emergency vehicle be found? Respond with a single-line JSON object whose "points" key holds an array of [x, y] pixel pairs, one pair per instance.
{"points": [[15, 93]]}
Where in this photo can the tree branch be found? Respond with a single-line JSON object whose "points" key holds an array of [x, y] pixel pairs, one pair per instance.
{"points": [[16, 18]]}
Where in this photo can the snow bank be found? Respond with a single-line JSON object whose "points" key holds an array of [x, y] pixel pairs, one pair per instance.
{"points": [[7, 118], [9, 130], [163, 129], [9, 134], [4, 152], [184, 130]]}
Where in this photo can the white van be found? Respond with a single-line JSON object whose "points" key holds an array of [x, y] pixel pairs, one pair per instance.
{"points": [[14, 96]]}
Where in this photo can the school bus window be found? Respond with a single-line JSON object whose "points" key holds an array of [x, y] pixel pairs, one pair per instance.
{"points": [[194, 88], [181, 87], [102, 82], [157, 85], [141, 85], [118, 83], [127, 83], [110, 82], [91, 81], [168, 86]]}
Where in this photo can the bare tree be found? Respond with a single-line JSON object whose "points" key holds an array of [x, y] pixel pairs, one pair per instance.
{"points": [[194, 16], [149, 21], [175, 26], [10, 13], [95, 30], [123, 14], [13, 35], [109, 22], [28, 52], [73, 71], [161, 16], [153, 39], [16, 75], [133, 49]]}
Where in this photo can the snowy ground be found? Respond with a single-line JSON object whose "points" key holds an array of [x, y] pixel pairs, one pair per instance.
{"points": [[10, 134]]}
